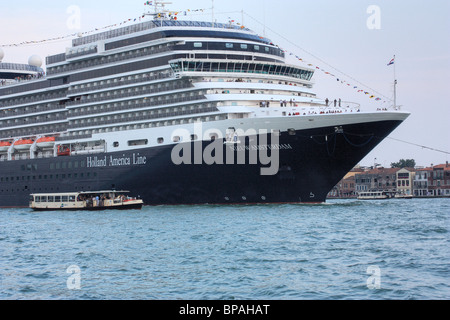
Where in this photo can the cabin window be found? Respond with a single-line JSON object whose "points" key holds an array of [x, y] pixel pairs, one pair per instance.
{"points": [[116, 144], [65, 198], [142, 142], [198, 44], [160, 140]]}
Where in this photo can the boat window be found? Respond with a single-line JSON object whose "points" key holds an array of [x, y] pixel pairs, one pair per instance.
{"points": [[71, 198], [142, 142], [43, 199], [116, 144], [160, 140], [292, 132], [198, 44], [65, 199], [229, 45], [51, 199], [57, 198]]}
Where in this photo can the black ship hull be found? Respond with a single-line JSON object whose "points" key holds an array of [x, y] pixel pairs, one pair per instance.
{"points": [[311, 163]]}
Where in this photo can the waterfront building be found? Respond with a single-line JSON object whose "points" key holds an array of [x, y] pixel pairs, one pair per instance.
{"points": [[405, 181], [439, 181], [377, 179]]}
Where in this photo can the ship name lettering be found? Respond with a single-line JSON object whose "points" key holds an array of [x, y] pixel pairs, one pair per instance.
{"points": [[118, 162], [96, 162]]}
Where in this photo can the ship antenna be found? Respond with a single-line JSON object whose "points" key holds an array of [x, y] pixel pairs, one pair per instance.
{"points": [[213, 23], [395, 84], [160, 10]]}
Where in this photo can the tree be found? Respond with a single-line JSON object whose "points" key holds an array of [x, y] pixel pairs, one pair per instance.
{"points": [[408, 163]]}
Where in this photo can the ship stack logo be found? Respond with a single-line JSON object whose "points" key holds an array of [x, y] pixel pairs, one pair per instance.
{"points": [[236, 147]]}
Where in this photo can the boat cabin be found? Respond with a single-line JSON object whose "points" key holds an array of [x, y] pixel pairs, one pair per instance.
{"points": [[91, 201]]}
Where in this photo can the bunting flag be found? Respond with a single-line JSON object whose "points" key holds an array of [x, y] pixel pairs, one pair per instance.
{"points": [[172, 15], [344, 82]]}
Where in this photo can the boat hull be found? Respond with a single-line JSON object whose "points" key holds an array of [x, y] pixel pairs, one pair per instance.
{"points": [[311, 163], [123, 208]]}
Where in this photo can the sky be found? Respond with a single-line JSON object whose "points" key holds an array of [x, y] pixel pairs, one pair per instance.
{"points": [[353, 39]]}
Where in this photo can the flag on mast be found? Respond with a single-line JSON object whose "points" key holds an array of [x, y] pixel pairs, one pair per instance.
{"points": [[392, 62]]}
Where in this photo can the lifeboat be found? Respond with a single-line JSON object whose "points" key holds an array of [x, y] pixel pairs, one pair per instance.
{"points": [[4, 146], [63, 151], [23, 144], [45, 142]]}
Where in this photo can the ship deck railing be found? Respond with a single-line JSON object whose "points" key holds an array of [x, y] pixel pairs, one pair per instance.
{"points": [[52, 71], [126, 95], [120, 83]]}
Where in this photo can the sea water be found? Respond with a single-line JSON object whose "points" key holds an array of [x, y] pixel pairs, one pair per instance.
{"points": [[345, 249]]}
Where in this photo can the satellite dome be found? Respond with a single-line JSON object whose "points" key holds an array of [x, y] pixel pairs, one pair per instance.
{"points": [[35, 61], [2, 54]]}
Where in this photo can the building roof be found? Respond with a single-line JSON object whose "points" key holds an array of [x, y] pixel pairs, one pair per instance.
{"points": [[444, 166], [381, 171]]}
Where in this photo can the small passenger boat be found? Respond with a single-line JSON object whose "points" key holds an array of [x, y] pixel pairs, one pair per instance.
{"points": [[374, 195], [89, 201], [403, 196]]}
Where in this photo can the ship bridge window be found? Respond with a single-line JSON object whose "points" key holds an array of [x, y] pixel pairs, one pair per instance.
{"points": [[198, 45], [229, 45]]}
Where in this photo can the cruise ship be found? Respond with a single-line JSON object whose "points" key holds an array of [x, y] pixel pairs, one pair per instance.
{"points": [[179, 113]]}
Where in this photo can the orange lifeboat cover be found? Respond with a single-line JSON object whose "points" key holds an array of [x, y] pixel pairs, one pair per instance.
{"points": [[5, 143], [23, 142], [46, 139]]}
